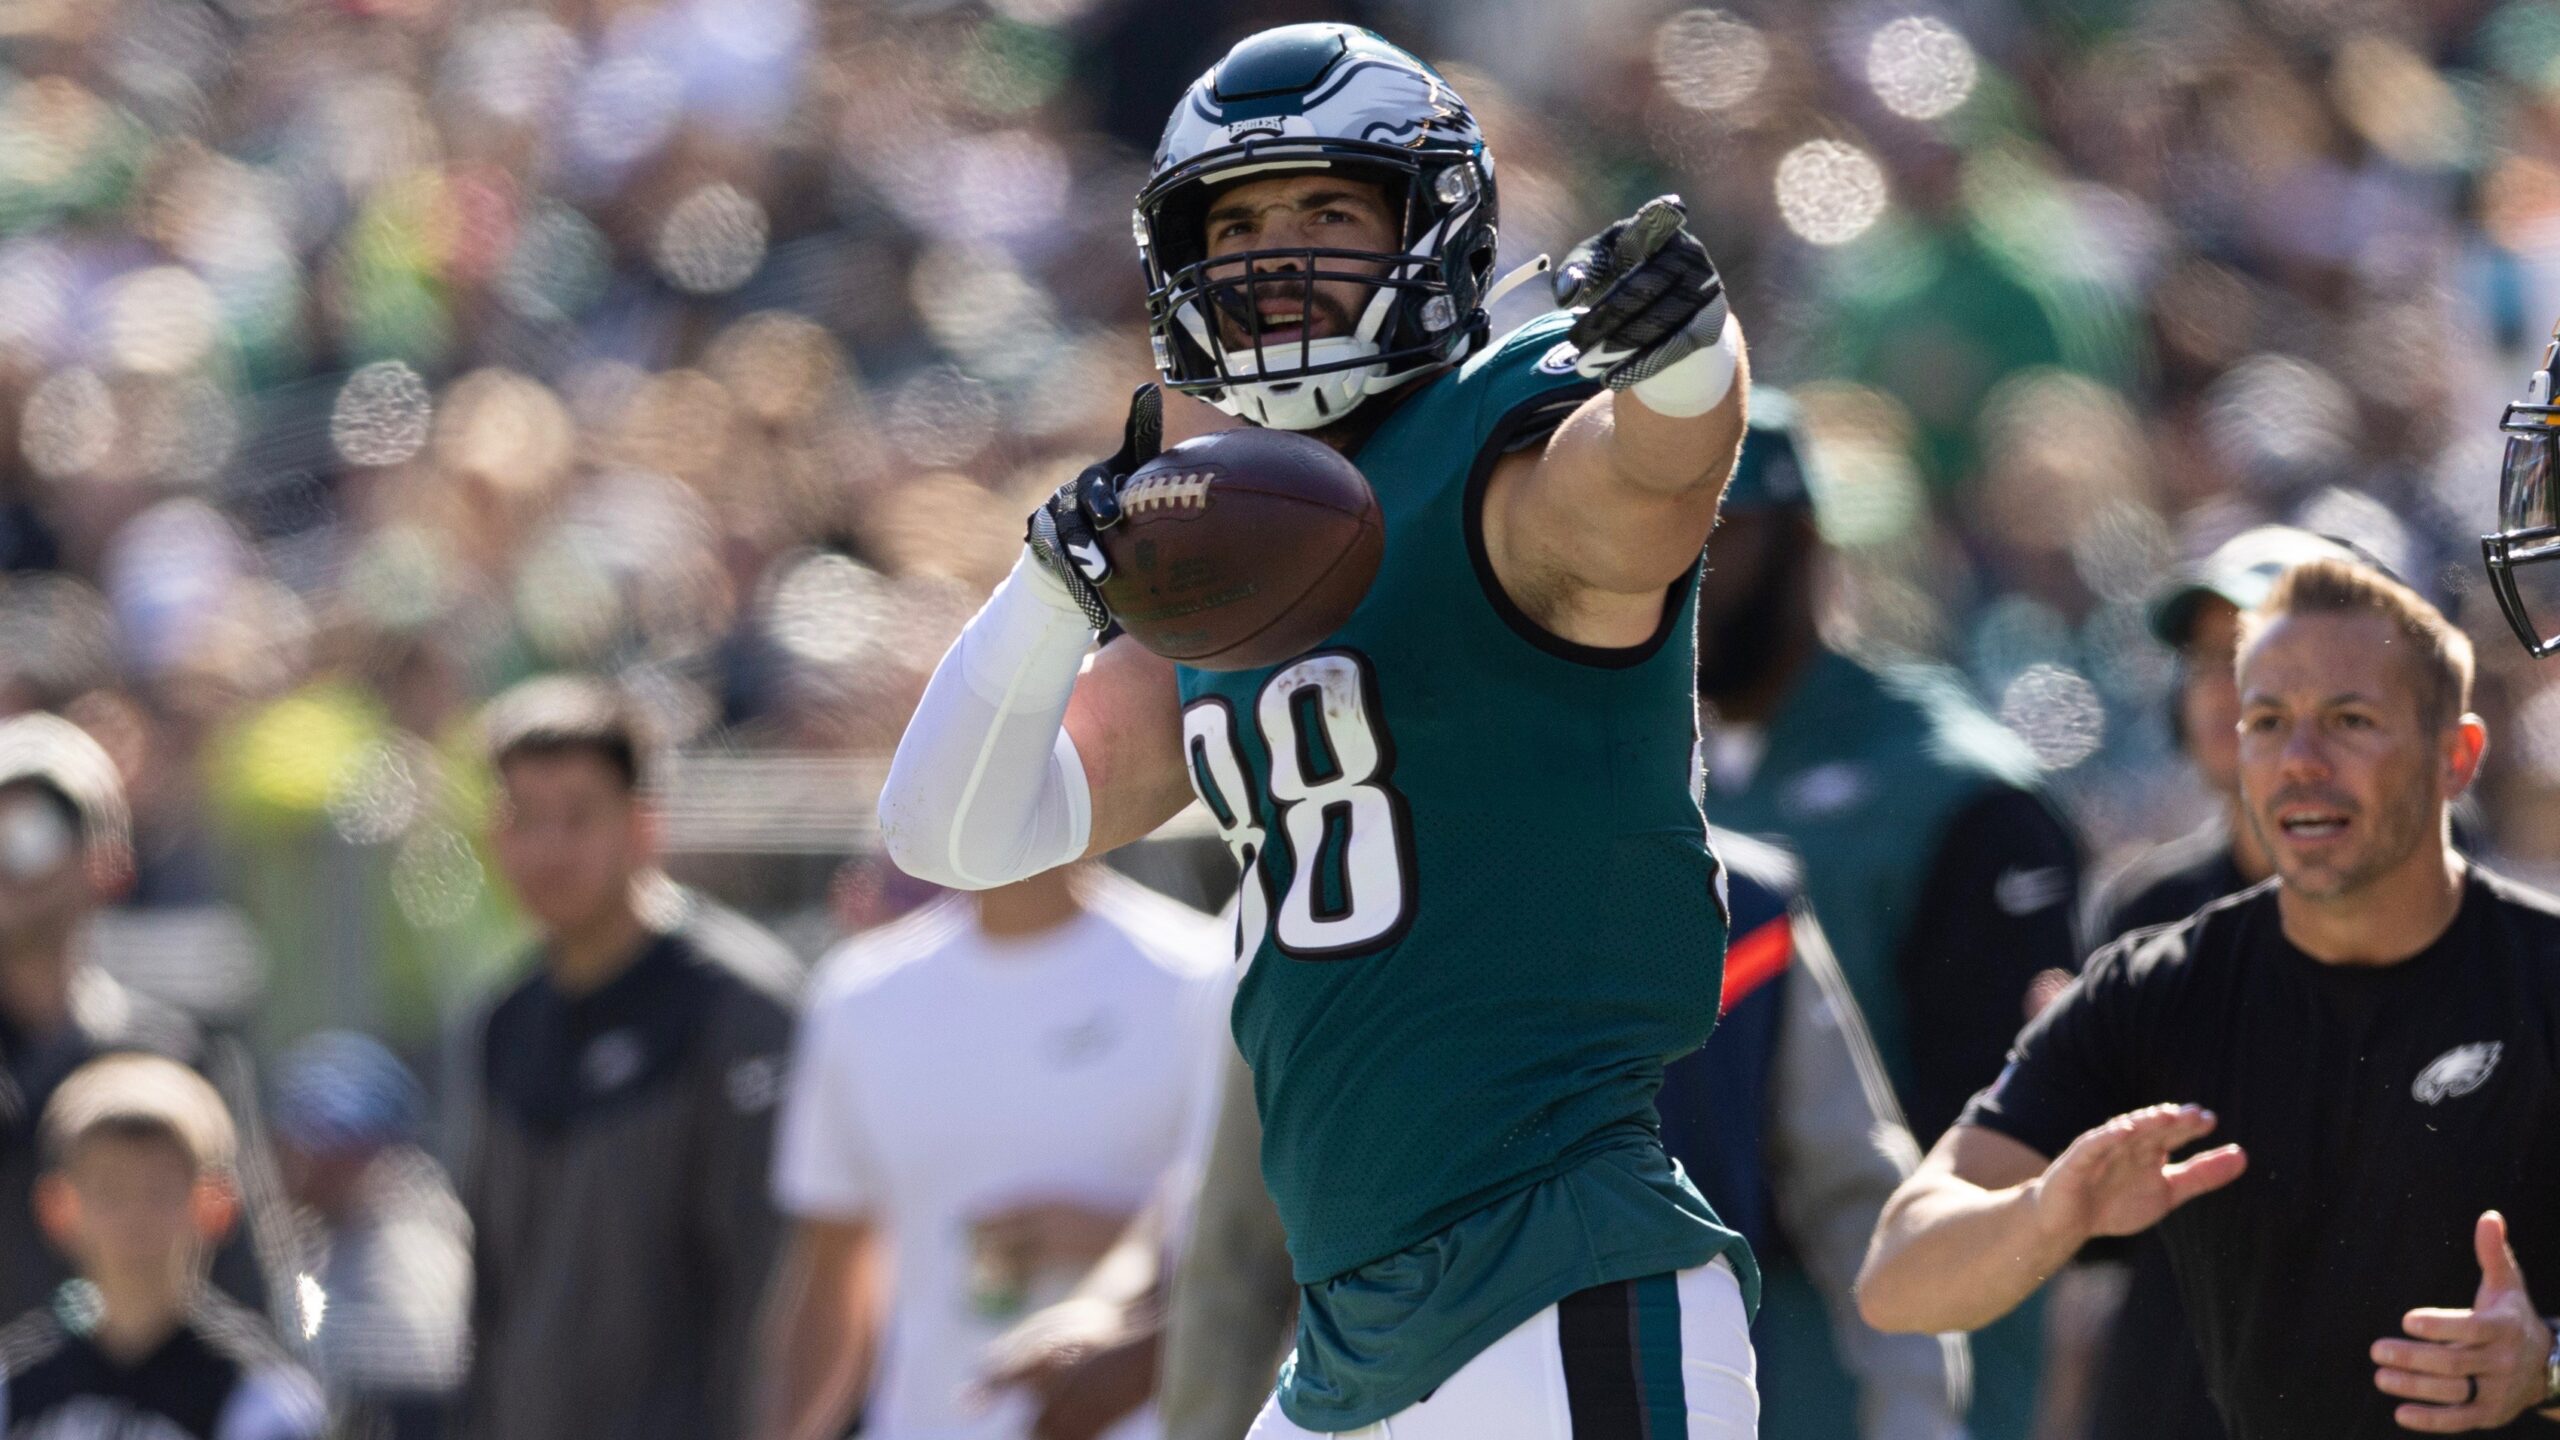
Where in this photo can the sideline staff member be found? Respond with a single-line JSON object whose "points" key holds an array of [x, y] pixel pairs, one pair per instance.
{"points": [[2375, 1035]]}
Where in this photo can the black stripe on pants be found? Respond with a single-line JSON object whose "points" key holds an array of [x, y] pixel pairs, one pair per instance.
{"points": [[1603, 1382]]}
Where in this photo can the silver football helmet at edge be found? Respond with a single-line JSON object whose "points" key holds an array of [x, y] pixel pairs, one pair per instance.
{"points": [[2528, 531], [1313, 98]]}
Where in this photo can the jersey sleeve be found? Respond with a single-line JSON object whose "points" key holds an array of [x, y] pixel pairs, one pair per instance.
{"points": [[1524, 385], [2073, 1067], [823, 1164]]}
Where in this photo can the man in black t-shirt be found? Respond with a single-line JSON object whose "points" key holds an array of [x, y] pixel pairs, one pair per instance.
{"points": [[2375, 1036], [2149, 1384]]}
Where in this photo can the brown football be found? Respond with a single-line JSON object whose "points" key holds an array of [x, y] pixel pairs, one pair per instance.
{"points": [[1241, 548]]}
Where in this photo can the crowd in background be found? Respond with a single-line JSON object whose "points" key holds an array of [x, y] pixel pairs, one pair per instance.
{"points": [[358, 359]]}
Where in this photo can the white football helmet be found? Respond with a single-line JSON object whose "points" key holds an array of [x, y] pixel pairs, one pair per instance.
{"points": [[1317, 97]]}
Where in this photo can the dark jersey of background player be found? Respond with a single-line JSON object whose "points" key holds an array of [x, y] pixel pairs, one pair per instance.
{"points": [[1944, 877], [1787, 1125], [218, 1376], [616, 1186], [2383, 1109]]}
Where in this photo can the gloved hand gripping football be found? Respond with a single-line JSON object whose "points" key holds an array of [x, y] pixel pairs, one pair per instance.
{"points": [[1065, 532], [1649, 295]]}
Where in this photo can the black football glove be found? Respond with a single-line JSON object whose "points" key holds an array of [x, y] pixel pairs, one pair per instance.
{"points": [[1066, 531], [1648, 294]]}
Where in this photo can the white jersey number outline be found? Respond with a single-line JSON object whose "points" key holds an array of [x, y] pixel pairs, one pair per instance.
{"points": [[1351, 884]]}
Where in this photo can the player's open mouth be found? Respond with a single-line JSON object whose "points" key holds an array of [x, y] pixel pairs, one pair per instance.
{"points": [[1286, 322], [2312, 824]]}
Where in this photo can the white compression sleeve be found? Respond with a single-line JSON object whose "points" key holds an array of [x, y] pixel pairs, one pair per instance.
{"points": [[986, 788], [1698, 381]]}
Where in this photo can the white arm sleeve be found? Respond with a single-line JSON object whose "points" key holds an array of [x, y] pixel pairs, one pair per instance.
{"points": [[986, 788]]}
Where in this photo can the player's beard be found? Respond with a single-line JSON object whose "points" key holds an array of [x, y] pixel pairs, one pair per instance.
{"points": [[1741, 647]]}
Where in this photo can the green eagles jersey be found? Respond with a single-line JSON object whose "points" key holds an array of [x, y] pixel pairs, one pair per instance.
{"points": [[1481, 915]]}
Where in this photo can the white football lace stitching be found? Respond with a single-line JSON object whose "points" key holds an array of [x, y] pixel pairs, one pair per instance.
{"points": [[1183, 489]]}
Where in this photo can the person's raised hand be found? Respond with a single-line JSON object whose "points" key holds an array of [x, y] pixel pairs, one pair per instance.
{"points": [[1065, 532], [2474, 1369], [2117, 1179]]}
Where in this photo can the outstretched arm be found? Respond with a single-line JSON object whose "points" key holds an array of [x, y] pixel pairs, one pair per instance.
{"points": [[1985, 1220], [1587, 533]]}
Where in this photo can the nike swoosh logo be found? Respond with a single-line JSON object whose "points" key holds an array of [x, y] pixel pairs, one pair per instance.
{"points": [[1089, 559], [2024, 892]]}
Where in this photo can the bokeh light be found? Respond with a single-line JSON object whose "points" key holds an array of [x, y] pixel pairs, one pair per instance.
{"points": [[2123, 550], [382, 415], [69, 424], [941, 417], [2274, 418], [160, 320], [505, 428], [626, 109], [1866, 488], [559, 266], [1709, 59], [378, 796], [827, 608], [1830, 192], [437, 879], [513, 65], [1920, 67], [712, 241], [2057, 712]]}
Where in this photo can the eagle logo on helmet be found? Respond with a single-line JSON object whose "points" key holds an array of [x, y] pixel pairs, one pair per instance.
{"points": [[1318, 97]]}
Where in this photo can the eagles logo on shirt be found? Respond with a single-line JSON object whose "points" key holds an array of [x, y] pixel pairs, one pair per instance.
{"points": [[2458, 1071]]}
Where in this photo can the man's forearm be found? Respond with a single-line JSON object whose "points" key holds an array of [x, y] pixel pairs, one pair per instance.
{"points": [[1951, 1255], [1660, 445], [986, 789], [818, 1349]]}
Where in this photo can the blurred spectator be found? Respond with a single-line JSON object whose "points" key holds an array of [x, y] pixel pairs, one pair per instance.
{"points": [[138, 1189], [64, 851], [1785, 1121], [621, 1135], [390, 1265], [986, 1092], [1942, 875]]}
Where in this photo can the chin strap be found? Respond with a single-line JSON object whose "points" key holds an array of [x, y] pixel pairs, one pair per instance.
{"points": [[1520, 276]]}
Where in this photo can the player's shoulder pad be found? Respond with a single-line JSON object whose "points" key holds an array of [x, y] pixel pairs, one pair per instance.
{"points": [[1533, 359]]}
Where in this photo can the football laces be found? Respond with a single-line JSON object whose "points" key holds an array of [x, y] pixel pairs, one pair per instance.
{"points": [[1167, 490]]}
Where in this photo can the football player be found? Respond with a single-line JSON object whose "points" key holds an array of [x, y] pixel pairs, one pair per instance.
{"points": [[1478, 903]]}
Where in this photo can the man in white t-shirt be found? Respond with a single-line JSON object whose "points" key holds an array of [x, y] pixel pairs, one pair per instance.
{"points": [[983, 1094]]}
